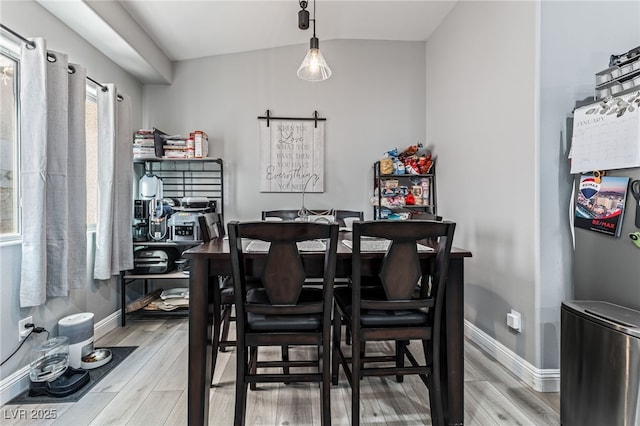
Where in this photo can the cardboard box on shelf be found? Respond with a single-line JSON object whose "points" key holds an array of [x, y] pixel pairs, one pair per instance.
{"points": [[201, 144]]}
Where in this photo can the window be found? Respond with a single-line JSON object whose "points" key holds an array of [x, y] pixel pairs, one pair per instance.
{"points": [[91, 126], [9, 183], [9, 145]]}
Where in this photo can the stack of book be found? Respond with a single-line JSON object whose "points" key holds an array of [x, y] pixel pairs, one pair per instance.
{"points": [[143, 144], [175, 147]]}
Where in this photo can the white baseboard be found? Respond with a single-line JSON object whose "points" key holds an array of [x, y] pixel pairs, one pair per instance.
{"points": [[106, 325], [18, 382], [541, 380]]}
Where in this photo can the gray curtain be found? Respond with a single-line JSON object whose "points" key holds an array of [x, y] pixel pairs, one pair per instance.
{"points": [[52, 103], [114, 252]]}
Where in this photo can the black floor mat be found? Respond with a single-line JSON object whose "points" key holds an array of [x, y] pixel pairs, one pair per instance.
{"points": [[118, 354]]}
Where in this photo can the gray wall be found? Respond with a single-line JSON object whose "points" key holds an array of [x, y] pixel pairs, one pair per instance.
{"points": [[481, 113], [373, 102], [571, 53], [498, 94], [31, 20]]}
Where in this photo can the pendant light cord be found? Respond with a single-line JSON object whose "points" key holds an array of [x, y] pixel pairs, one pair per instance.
{"points": [[314, 18]]}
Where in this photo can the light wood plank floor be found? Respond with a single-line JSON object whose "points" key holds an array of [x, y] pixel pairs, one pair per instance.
{"points": [[149, 388]]}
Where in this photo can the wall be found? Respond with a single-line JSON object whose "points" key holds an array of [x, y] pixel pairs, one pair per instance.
{"points": [[373, 102], [30, 20], [498, 94], [481, 116], [571, 53]]}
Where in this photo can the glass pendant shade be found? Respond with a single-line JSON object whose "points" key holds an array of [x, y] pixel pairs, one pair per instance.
{"points": [[314, 67]]}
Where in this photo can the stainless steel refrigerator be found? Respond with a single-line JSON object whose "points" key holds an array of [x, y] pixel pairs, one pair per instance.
{"points": [[600, 337], [607, 268]]}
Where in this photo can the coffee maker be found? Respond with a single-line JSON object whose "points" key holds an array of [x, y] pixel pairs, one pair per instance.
{"points": [[140, 220], [149, 215]]}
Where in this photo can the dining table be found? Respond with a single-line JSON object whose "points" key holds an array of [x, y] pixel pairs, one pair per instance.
{"points": [[212, 259]]}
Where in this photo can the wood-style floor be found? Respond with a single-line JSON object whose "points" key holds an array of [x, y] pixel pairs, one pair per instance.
{"points": [[149, 388]]}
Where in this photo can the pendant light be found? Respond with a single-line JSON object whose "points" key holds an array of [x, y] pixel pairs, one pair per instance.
{"points": [[313, 67]]}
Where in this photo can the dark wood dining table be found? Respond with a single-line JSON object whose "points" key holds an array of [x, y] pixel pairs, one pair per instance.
{"points": [[213, 259]]}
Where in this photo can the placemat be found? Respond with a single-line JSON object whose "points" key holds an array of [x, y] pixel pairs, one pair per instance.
{"points": [[379, 245], [309, 245], [118, 354]]}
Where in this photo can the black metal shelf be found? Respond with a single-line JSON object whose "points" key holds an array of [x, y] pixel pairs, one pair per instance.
{"points": [[181, 177], [379, 178], [178, 312], [188, 177], [173, 275], [165, 243]]}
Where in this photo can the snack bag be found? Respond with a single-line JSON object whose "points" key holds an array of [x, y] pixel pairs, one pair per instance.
{"points": [[386, 166]]}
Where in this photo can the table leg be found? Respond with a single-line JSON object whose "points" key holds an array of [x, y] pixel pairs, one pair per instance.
{"points": [[452, 361], [199, 378]]}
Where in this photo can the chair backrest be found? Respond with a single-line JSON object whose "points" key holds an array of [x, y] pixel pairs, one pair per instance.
{"points": [[294, 214], [402, 267], [282, 271], [211, 226], [425, 216], [341, 214], [281, 214]]}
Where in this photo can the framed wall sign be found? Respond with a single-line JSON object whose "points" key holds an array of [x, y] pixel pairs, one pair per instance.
{"points": [[291, 154]]}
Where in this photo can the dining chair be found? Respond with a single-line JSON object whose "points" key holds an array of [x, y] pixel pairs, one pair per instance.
{"points": [[424, 216], [285, 215], [295, 214], [407, 306], [221, 298], [281, 214], [342, 214], [283, 311], [212, 226]]}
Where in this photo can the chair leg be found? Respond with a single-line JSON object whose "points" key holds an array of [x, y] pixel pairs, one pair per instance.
{"points": [[347, 336], [215, 342], [241, 387], [356, 365], [435, 388], [324, 364], [285, 358], [400, 348], [226, 319], [363, 349], [253, 364], [337, 328]]}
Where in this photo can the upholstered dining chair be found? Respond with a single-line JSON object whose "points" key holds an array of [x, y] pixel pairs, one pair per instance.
{"points": [[283, 311], [289, 214], [424, 216], [342, 214], [221, 299], [407, 306], [280, 214]]}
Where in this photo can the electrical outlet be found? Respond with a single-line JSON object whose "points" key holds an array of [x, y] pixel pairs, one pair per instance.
{"points": [[23, 332], [514, 321]]}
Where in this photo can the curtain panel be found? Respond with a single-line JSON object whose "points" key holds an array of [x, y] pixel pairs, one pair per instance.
{"points": [[53, 175], [114, 252]]}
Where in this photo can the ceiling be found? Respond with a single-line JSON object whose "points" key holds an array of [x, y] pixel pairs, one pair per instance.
{"points": [[153, 31], [193, 29]]}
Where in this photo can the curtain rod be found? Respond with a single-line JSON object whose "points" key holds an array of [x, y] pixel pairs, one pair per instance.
{"points": [[52, 58]]}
